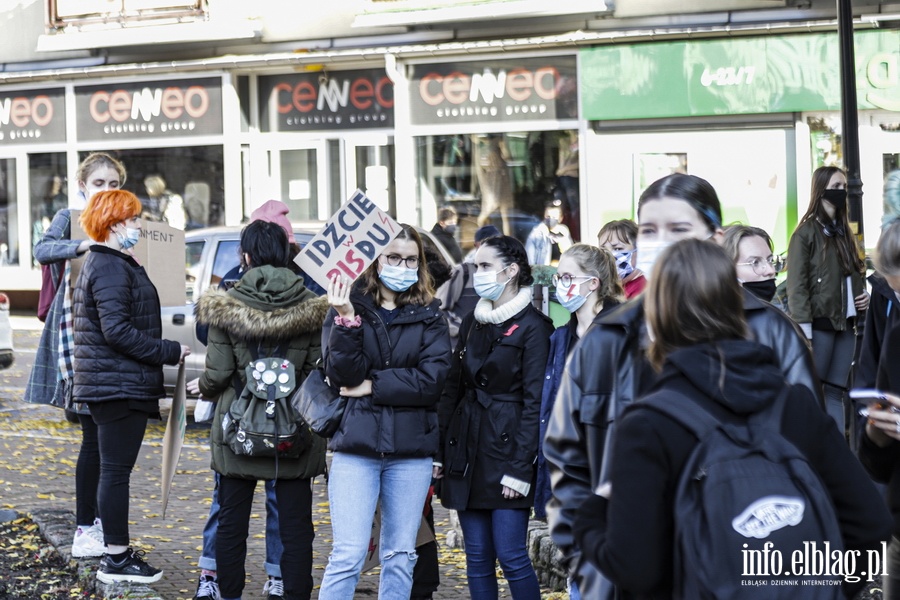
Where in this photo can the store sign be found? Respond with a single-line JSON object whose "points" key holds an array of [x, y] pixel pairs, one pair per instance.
{"points": [[315, 101], [737, 76], [33, 116], [149, 109], [526, 89]]}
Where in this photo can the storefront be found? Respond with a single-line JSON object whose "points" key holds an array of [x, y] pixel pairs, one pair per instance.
{"points": [[168, 132], [754, 116], [496, 139], [312, 138]]}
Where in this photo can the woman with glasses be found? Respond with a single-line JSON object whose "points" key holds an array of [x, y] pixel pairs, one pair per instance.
{"points": [[588, 286], [826, 285], [490, 420], [751, 250], [386, 345]]}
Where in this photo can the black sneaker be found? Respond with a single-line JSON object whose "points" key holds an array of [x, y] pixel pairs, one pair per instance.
{"points": [[133, 568], [207, 589], [274, 589]]}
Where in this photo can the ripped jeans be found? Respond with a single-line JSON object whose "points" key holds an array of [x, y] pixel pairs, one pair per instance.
{"points": [[355, 485]]}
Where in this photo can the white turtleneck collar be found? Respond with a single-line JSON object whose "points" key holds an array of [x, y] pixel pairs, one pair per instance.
{"points": [[485, 313]]}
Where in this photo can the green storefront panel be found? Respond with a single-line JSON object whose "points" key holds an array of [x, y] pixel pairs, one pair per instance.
{"points": [[770, 74]]}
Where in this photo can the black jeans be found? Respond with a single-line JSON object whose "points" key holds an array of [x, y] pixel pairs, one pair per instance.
{"points": [[294, 497], [87, 473], [120, 443]]}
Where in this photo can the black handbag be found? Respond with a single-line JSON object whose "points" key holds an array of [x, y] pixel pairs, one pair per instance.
{"points": [[319, 404]]}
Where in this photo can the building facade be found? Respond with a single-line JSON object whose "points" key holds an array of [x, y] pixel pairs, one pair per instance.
{"points": [[494, 114]]}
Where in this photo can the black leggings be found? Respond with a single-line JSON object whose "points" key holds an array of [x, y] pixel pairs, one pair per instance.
{"points": [[294, 498], [87, 473], [120, 443]]}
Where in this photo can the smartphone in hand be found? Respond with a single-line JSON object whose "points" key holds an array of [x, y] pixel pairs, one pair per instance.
{"points": [[867, 398]]}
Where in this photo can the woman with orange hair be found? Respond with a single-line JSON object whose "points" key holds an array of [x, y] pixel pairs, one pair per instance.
{"points": [[119, 356]]}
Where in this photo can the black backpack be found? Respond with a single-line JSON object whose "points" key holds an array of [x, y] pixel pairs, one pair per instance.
{"points": [[747, 500], [261, 421]]}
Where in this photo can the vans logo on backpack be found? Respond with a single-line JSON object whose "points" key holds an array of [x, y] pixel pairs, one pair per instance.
{"points": [[769, 514]]}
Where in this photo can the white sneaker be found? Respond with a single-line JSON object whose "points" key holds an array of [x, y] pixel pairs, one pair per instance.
{"points": [[88, 543], [274, 589]]}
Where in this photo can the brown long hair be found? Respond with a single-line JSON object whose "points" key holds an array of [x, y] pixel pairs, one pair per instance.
{"points": [[693, 297], [421, 292], [843, 243]]}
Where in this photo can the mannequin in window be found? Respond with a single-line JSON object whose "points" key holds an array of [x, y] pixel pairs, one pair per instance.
{"points": [[495, 182], [164, 205]]}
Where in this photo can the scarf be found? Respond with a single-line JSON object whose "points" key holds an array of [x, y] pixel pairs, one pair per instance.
{"points": [[485, 313]]}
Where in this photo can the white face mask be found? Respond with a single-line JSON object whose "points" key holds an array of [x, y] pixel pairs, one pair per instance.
{"points": [[647, 254]]}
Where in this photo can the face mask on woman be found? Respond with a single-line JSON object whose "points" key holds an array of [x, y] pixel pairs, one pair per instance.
{"points": [[623, 263], [398, 279], [837, 197], [487, 286], [764, 290], [648, 252], [131, 237], [570, 300]]}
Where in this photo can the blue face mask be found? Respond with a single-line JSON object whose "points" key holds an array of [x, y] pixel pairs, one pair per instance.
{"points": [[398, 279], [487, 286], [569, 298], [623, 263], [132, 236]]}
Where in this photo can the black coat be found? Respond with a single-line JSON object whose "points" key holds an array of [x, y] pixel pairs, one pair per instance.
{"points": [[631, 537], [407, 362], [883, 313], [606, 372], [884, 463], [490, 410], [118, 351]]}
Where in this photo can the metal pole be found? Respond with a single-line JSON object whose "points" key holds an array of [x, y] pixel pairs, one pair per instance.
{"points": [[849, 119]]}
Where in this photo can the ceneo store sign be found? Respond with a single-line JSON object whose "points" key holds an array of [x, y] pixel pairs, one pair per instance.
{"points": [[501, 90], [151, 109], [32, 116], [337, 100]]}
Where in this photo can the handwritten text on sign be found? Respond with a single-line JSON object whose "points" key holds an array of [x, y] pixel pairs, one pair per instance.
{"points": [[351, 240]]}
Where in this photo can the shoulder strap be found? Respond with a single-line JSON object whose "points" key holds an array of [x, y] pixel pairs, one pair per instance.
{"points": [[682, 409]]}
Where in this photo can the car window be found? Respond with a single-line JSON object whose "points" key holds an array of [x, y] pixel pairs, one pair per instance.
{"points": [[227, 258], [192, 253]]}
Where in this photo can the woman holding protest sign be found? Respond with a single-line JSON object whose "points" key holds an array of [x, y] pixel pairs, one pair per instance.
{"points": [[386, 344]]}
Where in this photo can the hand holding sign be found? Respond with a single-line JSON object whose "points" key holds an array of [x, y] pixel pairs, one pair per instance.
{"points": [[339, 295], [351, 240]]}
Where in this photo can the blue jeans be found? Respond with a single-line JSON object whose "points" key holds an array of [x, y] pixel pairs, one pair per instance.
{"points": [[498, 534], [354, 488], [273, 537]]}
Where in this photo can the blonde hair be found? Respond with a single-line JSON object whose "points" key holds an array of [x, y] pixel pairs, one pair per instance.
{"points": [[599, 263], [105, 209], [693, 297]]}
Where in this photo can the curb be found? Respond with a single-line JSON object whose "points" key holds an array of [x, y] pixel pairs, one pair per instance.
{"points": [[57, 525]]}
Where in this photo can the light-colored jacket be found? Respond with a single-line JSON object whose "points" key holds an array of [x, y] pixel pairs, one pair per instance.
{"points": [[539, 244]]}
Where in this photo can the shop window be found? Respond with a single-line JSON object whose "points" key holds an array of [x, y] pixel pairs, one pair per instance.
{"points": [[826, 141], [49, 191], [503, 179], [182, 186], [9, 221]]}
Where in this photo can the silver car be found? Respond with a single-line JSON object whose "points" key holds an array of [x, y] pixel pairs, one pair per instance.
{"points": [[6, 334], [209, 255]]}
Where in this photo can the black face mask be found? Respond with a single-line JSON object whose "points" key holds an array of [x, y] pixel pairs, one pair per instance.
{"points": [[837, 198], [764, 290]]}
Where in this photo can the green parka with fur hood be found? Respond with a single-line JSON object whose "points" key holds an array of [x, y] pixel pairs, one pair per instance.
{"points": [[271, 304]]}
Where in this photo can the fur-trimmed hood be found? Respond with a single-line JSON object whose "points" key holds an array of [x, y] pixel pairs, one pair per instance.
{"points": [[291, 308]]}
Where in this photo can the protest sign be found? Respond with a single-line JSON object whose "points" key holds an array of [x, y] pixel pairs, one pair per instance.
{"points": [[160, 247], [351, 240], [173, 438], [373, 555]]}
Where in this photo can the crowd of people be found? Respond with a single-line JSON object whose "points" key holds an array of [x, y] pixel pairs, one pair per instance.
{"points": [[609, 426]]}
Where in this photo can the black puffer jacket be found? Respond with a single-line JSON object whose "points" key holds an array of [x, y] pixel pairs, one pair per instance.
{"points": [[606, 372], [118, 351], [407, 362]]}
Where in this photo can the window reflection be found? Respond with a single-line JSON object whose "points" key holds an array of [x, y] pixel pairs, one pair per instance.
{"points": [[9, 236]]}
